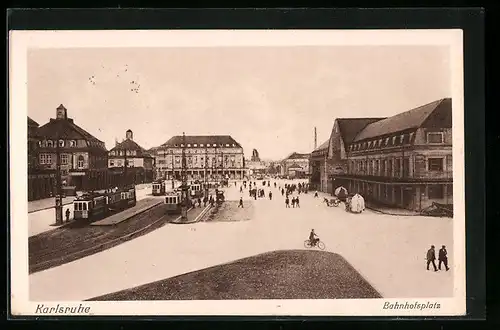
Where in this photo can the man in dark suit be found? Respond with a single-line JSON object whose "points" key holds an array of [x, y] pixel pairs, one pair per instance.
{"points": [[431, 257], [443, 258]]}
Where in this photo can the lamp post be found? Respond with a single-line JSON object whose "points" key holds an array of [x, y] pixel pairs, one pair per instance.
{"points": [[172, 176], [59, 206], [184, 181]]}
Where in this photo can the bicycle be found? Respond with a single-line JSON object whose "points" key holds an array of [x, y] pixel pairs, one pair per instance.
{"points": [[319, 244]]}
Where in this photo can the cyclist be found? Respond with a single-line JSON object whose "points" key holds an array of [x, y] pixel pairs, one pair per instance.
{"points": [[312, 238]]}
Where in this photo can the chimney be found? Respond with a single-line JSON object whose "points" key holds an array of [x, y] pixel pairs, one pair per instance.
{"points": [[61, 112], [129, 135], [315, 139]]}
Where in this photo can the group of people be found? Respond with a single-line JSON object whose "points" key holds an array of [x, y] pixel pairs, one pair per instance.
{"points": [[206, 200], [442, 258], [295, 202]]}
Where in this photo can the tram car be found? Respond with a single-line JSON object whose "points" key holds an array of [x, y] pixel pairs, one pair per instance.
{"points": [[158, 188], [196, 190], [173, 202], [92, 206]]}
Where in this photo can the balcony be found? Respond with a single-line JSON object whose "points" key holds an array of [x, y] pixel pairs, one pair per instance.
{"points": [[422, 176]]}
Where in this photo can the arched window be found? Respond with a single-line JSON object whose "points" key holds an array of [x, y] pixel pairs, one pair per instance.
{"points": [[50, 143], [80, 161]]}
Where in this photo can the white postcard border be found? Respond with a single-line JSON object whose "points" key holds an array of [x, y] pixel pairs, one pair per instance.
{"points": [[21, 41]]}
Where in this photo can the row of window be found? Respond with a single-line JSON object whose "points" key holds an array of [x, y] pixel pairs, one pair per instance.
{"points": [[166, 153], [47, 159], [122, 153], [384, 167], [53, 144], [201, 145], [119, 162], [432, 138], [434, 191]]}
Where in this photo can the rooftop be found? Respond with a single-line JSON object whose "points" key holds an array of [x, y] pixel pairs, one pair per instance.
{"points": [[129, 144], [296, 155], [350, 127], [219, 141], [411, 119]]}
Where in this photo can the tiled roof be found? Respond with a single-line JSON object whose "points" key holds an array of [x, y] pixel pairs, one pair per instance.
{"points": [[131, 145], [350, 127], [406, 120], [32, 123], [210, 140], [296, 155], [293, 166], [323, 146], [66, 129]]}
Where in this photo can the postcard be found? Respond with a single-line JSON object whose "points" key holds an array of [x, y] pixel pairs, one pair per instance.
{"points": [[237, 172]]}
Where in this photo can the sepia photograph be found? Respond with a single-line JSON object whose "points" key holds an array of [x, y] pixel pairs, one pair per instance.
{"points": [[237, 173]]}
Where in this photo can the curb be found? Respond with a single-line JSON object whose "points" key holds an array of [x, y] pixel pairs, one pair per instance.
{"points": [[178, 222], [131, 216], [47, 208], [390, 213]]}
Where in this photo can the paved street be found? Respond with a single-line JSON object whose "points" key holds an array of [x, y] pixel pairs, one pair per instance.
{"points": [[389, 251]]}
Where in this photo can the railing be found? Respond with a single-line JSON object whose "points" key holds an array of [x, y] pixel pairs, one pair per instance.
{"points": [[427, 175]]}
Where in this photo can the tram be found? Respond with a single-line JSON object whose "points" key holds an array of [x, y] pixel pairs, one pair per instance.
{"points": [[173, 202], [195, 190], [158, 188], [92, 206]]}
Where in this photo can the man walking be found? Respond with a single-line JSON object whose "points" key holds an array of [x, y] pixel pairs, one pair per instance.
{"points": [[431, 257], [293, 202], [297, 201], [443, 258], [270, 195], [287, 202], [241, 202]]}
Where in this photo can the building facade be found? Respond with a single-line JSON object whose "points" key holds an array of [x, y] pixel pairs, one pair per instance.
{"points": [[210, 157], [138, 162], [83, 157], [405, 160], [329, 160], [293, 160]]}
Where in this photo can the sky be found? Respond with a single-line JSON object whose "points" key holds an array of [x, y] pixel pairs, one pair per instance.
{"points": [[266, 98]]}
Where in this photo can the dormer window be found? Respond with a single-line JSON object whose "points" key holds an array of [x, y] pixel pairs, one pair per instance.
{"points": [[234, 145], [61, 143], [387, 141], [201, 144], [195, 145], [394, 140], [214, 145], [50, 144], [176, 145], [189, 145], [227, 144], [411, 137], [402, 138], [72, 143]]}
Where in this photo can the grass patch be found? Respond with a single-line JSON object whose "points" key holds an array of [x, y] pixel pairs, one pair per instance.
{"points": [[294, 274]]}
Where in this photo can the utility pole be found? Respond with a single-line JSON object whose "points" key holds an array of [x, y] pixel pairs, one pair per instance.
{"points": [[59, 206], [184, 181], [206, 164]]}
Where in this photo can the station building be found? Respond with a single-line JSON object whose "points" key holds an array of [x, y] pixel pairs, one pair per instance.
{"points": [[207, 156], [296, 165], [139, 163], [404, 160], [83, 157]]}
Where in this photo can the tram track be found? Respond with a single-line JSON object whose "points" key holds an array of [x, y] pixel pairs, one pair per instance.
{"points": [[63, 245]]}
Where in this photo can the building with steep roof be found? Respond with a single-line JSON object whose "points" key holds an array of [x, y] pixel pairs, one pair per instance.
{"points": [[292, 161], [330, 157], [129, 162], [404, 160], [210, 157], [83, 157]]}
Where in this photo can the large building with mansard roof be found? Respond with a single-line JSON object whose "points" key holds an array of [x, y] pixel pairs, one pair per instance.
{"points": [[139, 162], [207, 156], [83, 157], [404, 160]]}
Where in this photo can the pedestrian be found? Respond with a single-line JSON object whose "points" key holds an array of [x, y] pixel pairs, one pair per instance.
{"points": [[287, 202], [268, 184], [275, 185], [297, 201], [282, 191], [316, 194], [241, 202], [270, 195], [235, 183], [199, 201], [293, 202], [67, 216], [431, 257], [241, 189], [443, 258]]}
